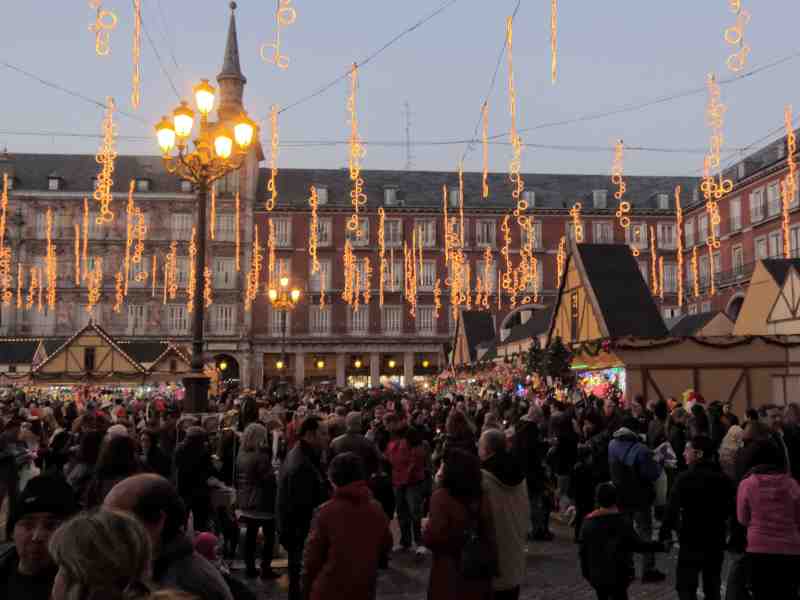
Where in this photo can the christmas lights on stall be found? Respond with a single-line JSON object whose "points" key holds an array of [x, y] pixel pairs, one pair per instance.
{"points": [[104, 22], [679, 239], [285, 15], [106, 157], [272, 184], [136, 77], [789, 184], [357, 152]]}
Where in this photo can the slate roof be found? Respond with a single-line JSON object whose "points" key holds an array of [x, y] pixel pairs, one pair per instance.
{"points": [[15, 351], [690, 325], [478, 327], [53, 344], [144, 351], [417, 189], [535, 326], [623, 297], [779, 268]]}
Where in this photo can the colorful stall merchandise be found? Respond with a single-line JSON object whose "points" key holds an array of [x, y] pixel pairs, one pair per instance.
{"points": [[603, 383]]}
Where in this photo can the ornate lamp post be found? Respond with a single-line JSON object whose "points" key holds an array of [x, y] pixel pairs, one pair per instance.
{"points": [[219, 148], [284, 301]]}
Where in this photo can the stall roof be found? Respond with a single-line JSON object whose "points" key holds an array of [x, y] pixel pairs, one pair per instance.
{"points": [[535, 326], [692, 324], [17, 351], [478, 327], [779, 268]]}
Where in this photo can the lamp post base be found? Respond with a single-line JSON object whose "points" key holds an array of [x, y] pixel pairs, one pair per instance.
{"points": [[196, 398]]}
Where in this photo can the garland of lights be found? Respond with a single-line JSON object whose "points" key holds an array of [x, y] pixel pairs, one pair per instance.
{"points": [[653, 260], [437, 297], [478, 291], [106, 157], [254, 275], [120, 292], [136, 77], [487, 276], [553, 40], [212, 218], [192, 272], [711, 270], [272, 184], [367, 280], [560, 260], [485, 135], [172, 259], [788, 185], [5, 252], [271, 244], [468, 286], [154, 275], [141, 234], [515, 166], [461, 202], [130, 216], [357, 152], [577, 226], [104, 22], [734, 35], [312, 230], [237, 234], [349, 266], [94, 287], [679, 225], [51, 262], [285, 15], [40, 290], [166, 278], [661, 277], [447, 240], [505, 252], [381, 253], [535, 275], [3, 210], [77, 255], [85, 251], [34, 283], [695, 273], [207, 288], [624, 208], [20, 284]]}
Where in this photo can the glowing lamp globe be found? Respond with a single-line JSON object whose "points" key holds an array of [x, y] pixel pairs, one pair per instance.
{"points": [[273, 294], [279, 365], [165, 134], [357, 363], [392, 363], [295, 295], [320, 364], [243, 132], [223, 144], [183, 120], [284, 281], [204, 97]]}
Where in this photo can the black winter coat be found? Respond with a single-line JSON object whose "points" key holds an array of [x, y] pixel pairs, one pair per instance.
{"points": [[300, 491]]}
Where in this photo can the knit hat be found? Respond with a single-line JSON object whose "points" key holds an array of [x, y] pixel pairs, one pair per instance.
{"points": [[46, 494], [206, 545]]}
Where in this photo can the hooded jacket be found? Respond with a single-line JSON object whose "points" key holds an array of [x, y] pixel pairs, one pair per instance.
{"points": [[505, 488], [633, 470]]}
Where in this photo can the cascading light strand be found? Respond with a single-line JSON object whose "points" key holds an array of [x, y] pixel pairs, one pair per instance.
{"points": [[505, 252], [32, 287], [154, 274], [485, 136], [553, 40], [190, 287], [381, 253], [357, 152], [208, 299], [712, 268], [20, 284], [679, 239], [77, 254], [695, 274], [618, 179], [271, 245], [577, 225], [437, 298], [313, 230], [461, 202], [653, 261], [3, 210], [40, 290], [367, 289], [51, 264], [104, 22], [237, 234], [95, 285], [734, 36], [661, 277], [136, 76], [85, 250], [120, 292], [172, 260], [130, 217], [141, 234], [106, 157], [515, 165], [285, 15], [789, 184], [272, 183], [561, 257]]}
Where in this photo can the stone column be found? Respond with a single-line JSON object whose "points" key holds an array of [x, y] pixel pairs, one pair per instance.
{"points": [[257, 370], [408, 368], [374, 369], [341, 366], [299, 367]]}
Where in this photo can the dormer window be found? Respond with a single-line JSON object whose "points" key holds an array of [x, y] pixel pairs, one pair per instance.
{"points": [[390, 196], [599, 198], [142, 185], [530, 197], [663, 201], [322, 194], [740, 170], [53, 183], [453, 196], [186, 186]]}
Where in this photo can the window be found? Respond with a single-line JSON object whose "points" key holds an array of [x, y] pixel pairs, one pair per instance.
{"points": [[736, 214], [702, 228], [359, 237], [324, 228], [455, 228], [740, 171], [693, 309], [182, 226], [569, 231], [395, 276], [603, 232], [137, 319], [737, 259], [88, 359], [393, 233], [688, 232], [703, 270], [773, 199], [229, 184], [426, 321], [794, 241], [757, 205], [717, 263], [530, 197], [278, 319], [224, 319], [283, 266], [426, 228], [761, 249], [138, 272], [427, 279], [359, 320], [671, 312], [485, 232], [53, 183], [321, 280], [670, 278], [319, 320], [178, 319], [390, 196], [182, 270], [142, 185], [705, 307], [226, 228], [96, 231], [637, 235], [283, 232], [224, 273], [599, 198], [186, 186], [392, 319], [454, 196], [322, 194], [537, 236], [41, 223], [775, 244], [666, 236], [663, 201]]}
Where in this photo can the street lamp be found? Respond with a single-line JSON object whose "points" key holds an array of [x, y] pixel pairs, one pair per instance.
{"points": [[283, 300], [219, 148]]}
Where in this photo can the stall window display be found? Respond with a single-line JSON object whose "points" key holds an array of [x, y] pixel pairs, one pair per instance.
{"points": [[603, 383]]}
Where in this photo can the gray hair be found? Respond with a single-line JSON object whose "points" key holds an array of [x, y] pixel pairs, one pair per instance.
{"points": [[495, 440], [353, 422], [254, 435]]}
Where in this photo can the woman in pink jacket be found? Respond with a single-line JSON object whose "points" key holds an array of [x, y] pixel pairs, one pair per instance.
{"points": [[768, 505]]}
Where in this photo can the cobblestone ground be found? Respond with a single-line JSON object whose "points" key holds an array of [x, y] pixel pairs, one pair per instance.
{"points": [[553, 574]]}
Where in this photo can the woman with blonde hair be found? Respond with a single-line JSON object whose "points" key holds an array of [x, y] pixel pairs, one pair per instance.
{"points": [[101, 555]]}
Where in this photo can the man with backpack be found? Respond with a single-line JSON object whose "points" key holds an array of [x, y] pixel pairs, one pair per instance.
{"points": [[634, 473]]}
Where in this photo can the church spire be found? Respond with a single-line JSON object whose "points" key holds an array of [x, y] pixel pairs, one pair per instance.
{"points": [[231, 80]]}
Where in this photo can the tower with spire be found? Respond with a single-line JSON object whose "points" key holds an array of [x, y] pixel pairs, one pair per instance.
{"points": [[231, 80]]}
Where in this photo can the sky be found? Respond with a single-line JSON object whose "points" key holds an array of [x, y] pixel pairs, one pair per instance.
{"points": [[611, 54]]}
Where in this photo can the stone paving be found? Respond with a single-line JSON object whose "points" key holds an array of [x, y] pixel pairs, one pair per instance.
{"points": [[553, 574]]}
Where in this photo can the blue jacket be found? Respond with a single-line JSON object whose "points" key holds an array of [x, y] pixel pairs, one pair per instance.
{"points": [[633, 469]]}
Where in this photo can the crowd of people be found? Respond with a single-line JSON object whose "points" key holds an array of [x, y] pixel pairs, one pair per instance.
{"points": [[114, 495]]}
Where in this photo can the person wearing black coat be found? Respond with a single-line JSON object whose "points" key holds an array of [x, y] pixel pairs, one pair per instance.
{"points": [[529, 449], [607, 542], [194, 468], [153, 459], [301, 490]]}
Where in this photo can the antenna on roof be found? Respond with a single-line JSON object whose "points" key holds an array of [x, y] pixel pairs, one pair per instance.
{"points": [[407, 120]]}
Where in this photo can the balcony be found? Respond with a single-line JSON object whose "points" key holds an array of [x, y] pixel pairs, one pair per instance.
{"points": [[724, 279]]}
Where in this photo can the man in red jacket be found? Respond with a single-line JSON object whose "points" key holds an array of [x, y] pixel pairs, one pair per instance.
{"points": [[339, 556]]}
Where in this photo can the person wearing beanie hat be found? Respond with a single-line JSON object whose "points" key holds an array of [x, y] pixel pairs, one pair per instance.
{"points": [[26, 568]]}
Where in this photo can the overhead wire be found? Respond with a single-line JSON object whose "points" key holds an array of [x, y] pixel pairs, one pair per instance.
{"points": [[158, 57], [166, 34]]}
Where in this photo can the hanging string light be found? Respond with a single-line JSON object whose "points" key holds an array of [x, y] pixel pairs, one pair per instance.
{"points": [[3, 210], [141, 234], [172, 261], [695, 273], [367, 281], [271, 244], [212, 221], [120, 292], [617, 178], [577, 226], [166, 278], [515, 166], [714, 187], [104, 22], [437, 298], [272, 184], [254, 276], [734, 35], [653, 261], [5, 275], [461, 202], [106, 157], [381, 253], [20, 284], [560, 260], [237, 234], [153, 275], [661, 277], [467, 286], [32, 287], [488, 264], [535, 270], [192, 272], [136, 77], [85, 251], [349, 266], [51, 264], [39, 290], [712, 270], [446, 224], [553, 40], [789, 184], [77, 255], [357, 152], [207, 289], [130, 217], [485, 135], [285, 15], [313, 228], [95, 284], [679, 237], [505, 252]]}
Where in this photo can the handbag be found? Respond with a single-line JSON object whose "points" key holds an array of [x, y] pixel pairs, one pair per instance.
{"points": [[478, 560]]}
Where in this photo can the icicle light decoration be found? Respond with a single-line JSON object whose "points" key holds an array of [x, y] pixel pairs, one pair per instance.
{"points": [[515, 166], [437, 298], [20, 284], [285, 15], [271, 244], [136, 77], [366, 293], [5, 275], [272, 184], [120, 292], [485, 136], [653, 261], [39, 290], [714, 187], [77, 254], [3, 210], [104, 22], [357, 152], [106, 157], [381, 253], [190, 299], [153, 275], [141, 234], [712, 270], [577, 225], [617, 178], [505, 252], [254, 275], [237, 234], [679, 239], [734, 36], [553, 40], [461, 203], [488, 264], [172, 269], [208, 299], [130, 218], [51, 262], [85, 250], [349, 266], [95, 285], [313, 230], [695, 274], [789, 184], [32, 287], [212, 217], [535, 274], [561, 258], [661, 277]]}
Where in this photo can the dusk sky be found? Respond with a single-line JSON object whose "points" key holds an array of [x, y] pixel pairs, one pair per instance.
{"points": [[611, 54]]}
